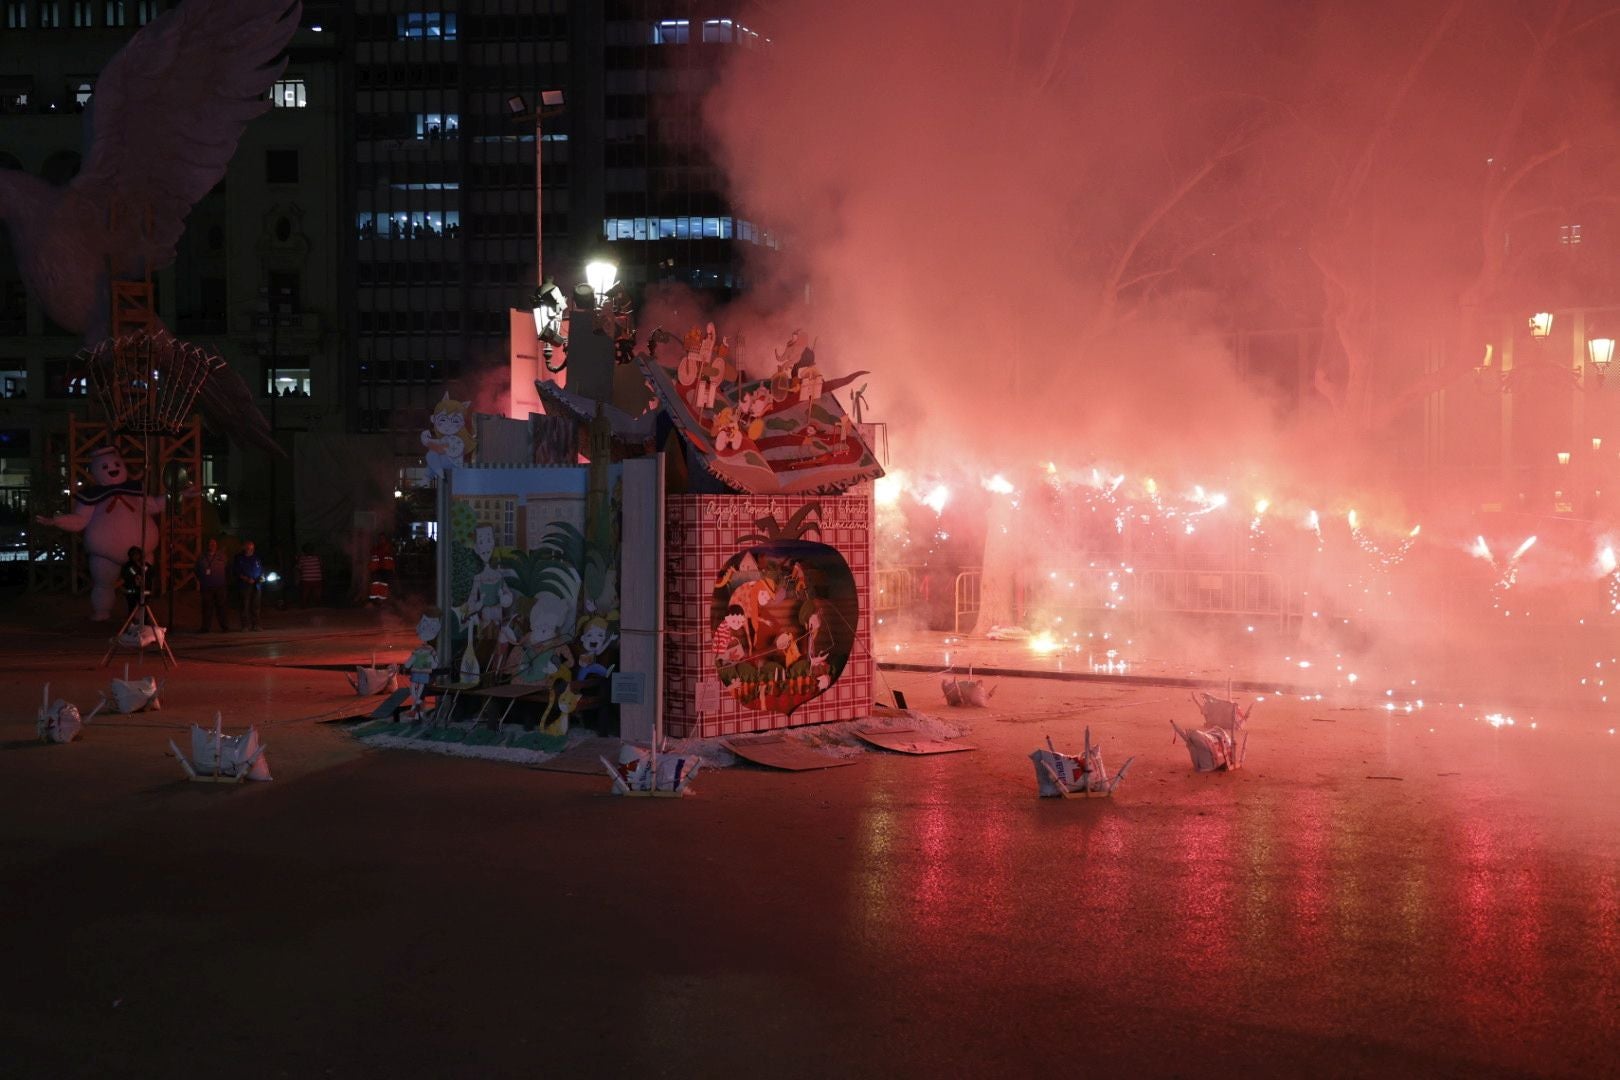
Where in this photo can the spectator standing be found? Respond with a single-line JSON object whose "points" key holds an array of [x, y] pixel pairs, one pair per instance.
{"points": [[309, 577], [211, 581], [381, 567], [249, 572], [136, 574]]}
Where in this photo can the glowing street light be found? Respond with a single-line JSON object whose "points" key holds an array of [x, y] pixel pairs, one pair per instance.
{"points": [[1600, 351], [1541, 324]]}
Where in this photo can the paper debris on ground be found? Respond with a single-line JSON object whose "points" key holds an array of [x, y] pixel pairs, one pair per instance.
{"points": [[1221, 743], [1072, 776], [218, 756]]}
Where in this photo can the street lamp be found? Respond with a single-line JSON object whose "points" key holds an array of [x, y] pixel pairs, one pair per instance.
{"points": [[1600, 351], [1541, 324]]}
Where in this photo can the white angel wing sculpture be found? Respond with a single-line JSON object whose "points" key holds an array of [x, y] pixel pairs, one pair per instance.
{"points": [[166, 116], [165, 119]]}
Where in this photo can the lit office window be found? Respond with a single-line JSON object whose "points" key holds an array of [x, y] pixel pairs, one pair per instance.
{"points": [[435, 25], [83, 13], [116, 13], [437, 125], [290, 94], [1569, 235], [17, 15], [145, 11], [672, 32], [50, 15]]}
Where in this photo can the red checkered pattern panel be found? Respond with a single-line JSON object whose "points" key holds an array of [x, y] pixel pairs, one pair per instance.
{"points": [[700, 535]]}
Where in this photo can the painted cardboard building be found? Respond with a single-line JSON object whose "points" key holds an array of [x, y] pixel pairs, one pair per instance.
{"points": [[736, 516]]}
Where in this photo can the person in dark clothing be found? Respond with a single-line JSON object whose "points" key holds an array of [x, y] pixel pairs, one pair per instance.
{"points": [[211, 582], [249, 572], [136, 574]]}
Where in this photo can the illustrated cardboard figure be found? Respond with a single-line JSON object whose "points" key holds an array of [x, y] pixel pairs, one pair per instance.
{"points": [[114, 515], [449, 443], [491, 596], [221, 757], [545, 652], [1222, 742], [728, 436], [1070, 776], [59, 721], [782, 615], [423, 659], [595, 635]]}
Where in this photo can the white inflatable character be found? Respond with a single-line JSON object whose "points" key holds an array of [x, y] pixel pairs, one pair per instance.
{"points": [[447, 440], [113, 513]]}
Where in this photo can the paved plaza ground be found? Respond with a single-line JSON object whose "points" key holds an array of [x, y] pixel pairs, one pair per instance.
{"points": [[1378, 893]]}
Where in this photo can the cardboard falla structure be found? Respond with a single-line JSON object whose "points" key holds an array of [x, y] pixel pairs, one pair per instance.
{"points": [[706, 573], [222, 758], [59, 721]]}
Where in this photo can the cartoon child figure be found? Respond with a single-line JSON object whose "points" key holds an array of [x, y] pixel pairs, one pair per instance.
{"points": [[594, 637], [422, 660], [711, 374], [732, 645], [545, 652], [447, 440], [753, 407], [728, 437], [114, 515], [491, 596]]}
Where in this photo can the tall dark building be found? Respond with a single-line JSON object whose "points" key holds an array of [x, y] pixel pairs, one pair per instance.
{"points": [[443, 178]]}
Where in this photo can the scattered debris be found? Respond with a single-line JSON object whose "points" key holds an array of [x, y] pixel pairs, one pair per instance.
{"points": [[1221, 743], [374, 680], [133, 695], [1075, 777], [1386, 778], [646, 773], [908, 740], [780, 752], [59, 721], [966, 691], [220, 758]]}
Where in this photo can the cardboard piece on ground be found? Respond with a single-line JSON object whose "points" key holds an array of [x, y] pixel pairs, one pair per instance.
{"points": [[908, 741], [582, 757], [780, 752], [391, 706]]}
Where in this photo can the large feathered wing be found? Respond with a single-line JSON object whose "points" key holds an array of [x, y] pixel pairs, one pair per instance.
{"points": [[168, 111]]}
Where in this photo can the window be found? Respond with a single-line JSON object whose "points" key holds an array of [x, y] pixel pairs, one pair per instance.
{"points": [[288, 377], [145, 11], [13, 379], [717, 30], [50, 14], [116, 13], [83, 15], [437, 125], [284, 290], [79, 88], [281, 166], [672, 32], [17, 15], [61, 381], [289, 93], [13, 307], [1569, 235], [436, 25]]}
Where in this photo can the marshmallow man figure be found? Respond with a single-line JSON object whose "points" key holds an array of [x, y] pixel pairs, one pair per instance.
{"points": [[113, 514]]}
